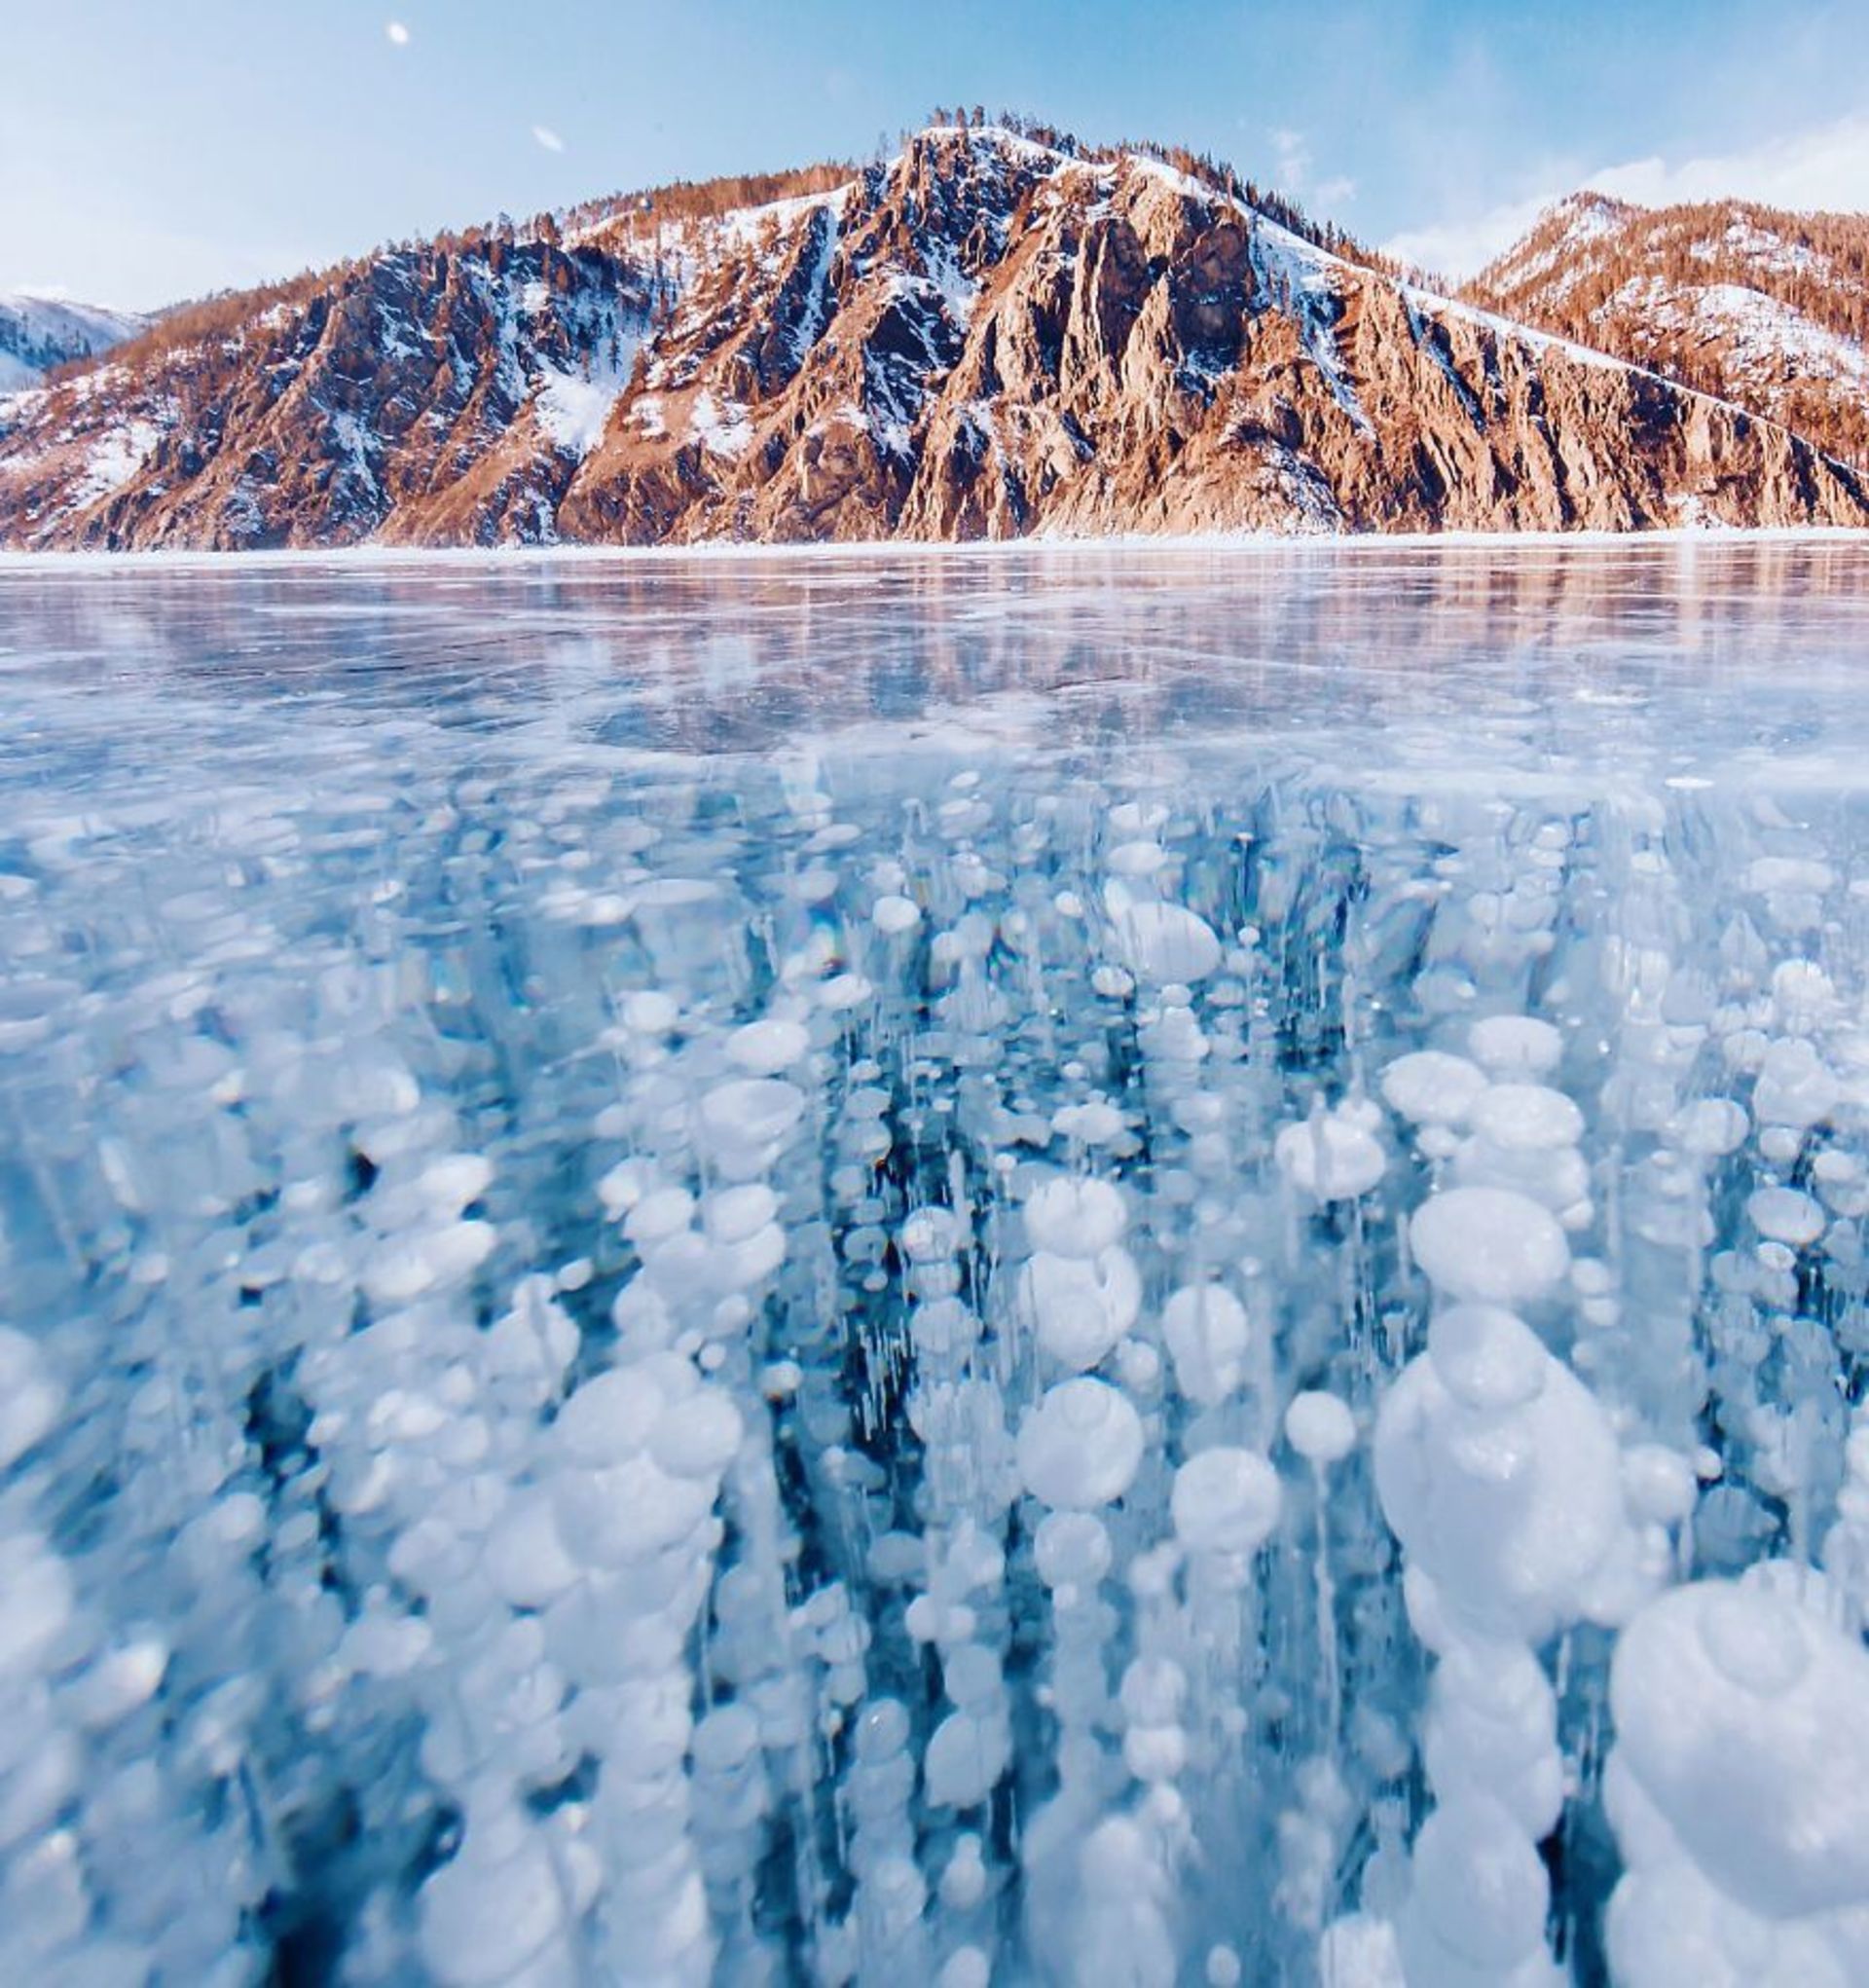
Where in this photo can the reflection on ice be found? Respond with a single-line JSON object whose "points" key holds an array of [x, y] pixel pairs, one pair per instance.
{"points": [[1071, 1311]]}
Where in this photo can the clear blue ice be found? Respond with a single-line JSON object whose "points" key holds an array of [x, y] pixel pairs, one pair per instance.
{"points": [[1105, 1267]]}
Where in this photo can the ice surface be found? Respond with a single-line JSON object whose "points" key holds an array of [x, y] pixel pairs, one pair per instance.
{"points": [[1115, 1267]]}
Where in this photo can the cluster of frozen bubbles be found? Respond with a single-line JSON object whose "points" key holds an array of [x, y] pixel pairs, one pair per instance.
{"points": [[888, 1370]]}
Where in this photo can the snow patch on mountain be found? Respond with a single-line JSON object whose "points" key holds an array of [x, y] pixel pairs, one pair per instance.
{"points": [[1766, 250], [1766, 340], [748, 227], [573, 407], [357, 443], [1298, 276], [1170, 176], [722, 427], [114, 458], [957, 289]]}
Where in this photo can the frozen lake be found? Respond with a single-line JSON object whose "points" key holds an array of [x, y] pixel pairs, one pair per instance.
{"points": [[1117, 1267]]}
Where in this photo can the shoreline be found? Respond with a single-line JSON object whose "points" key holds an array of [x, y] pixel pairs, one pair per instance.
{"points": [[1357, 544]]}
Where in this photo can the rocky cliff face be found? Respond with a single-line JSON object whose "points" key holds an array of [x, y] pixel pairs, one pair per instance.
{"points": [[987, 338], [1766, 309]]}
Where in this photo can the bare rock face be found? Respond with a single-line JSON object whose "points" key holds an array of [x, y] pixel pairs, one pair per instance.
{"points": [[985, 338]]}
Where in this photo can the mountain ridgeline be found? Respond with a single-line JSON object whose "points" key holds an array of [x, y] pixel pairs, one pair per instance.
{"points": [[988, 336], [1764, 307]]}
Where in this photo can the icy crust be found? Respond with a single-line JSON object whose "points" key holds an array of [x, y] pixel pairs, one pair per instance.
{"points": [[936, 1365]]}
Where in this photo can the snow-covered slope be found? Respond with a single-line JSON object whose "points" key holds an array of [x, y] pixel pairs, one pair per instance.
{"points": [[987, 336], [1767, 309], [39, 333]]}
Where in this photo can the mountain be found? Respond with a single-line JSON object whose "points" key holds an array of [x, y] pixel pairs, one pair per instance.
{"points": [[987, 336], [1766, 309], [39, 333]]}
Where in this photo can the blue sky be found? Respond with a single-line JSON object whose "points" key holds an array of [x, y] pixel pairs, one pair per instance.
{"points": [[150, 151]]}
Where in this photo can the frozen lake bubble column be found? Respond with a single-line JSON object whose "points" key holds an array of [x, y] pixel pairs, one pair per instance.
{"points": [[1791, 1053], [705, 1264], [959, 1615], [1501, 1474], [1077, 1452], [1739, 1787]]}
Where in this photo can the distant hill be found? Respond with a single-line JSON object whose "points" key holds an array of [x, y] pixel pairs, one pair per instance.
{"points": [[1767, 309], [996, 333], [38, 333]]}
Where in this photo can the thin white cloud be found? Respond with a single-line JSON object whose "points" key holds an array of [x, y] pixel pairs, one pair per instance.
{"points": [[1294, 172], [1291, 161], [547, 138], [1461, 248], [396, 32], [1826, 167]]}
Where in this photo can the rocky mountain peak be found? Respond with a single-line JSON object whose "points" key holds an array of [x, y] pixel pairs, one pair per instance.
{"points": [[987, 335]]}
